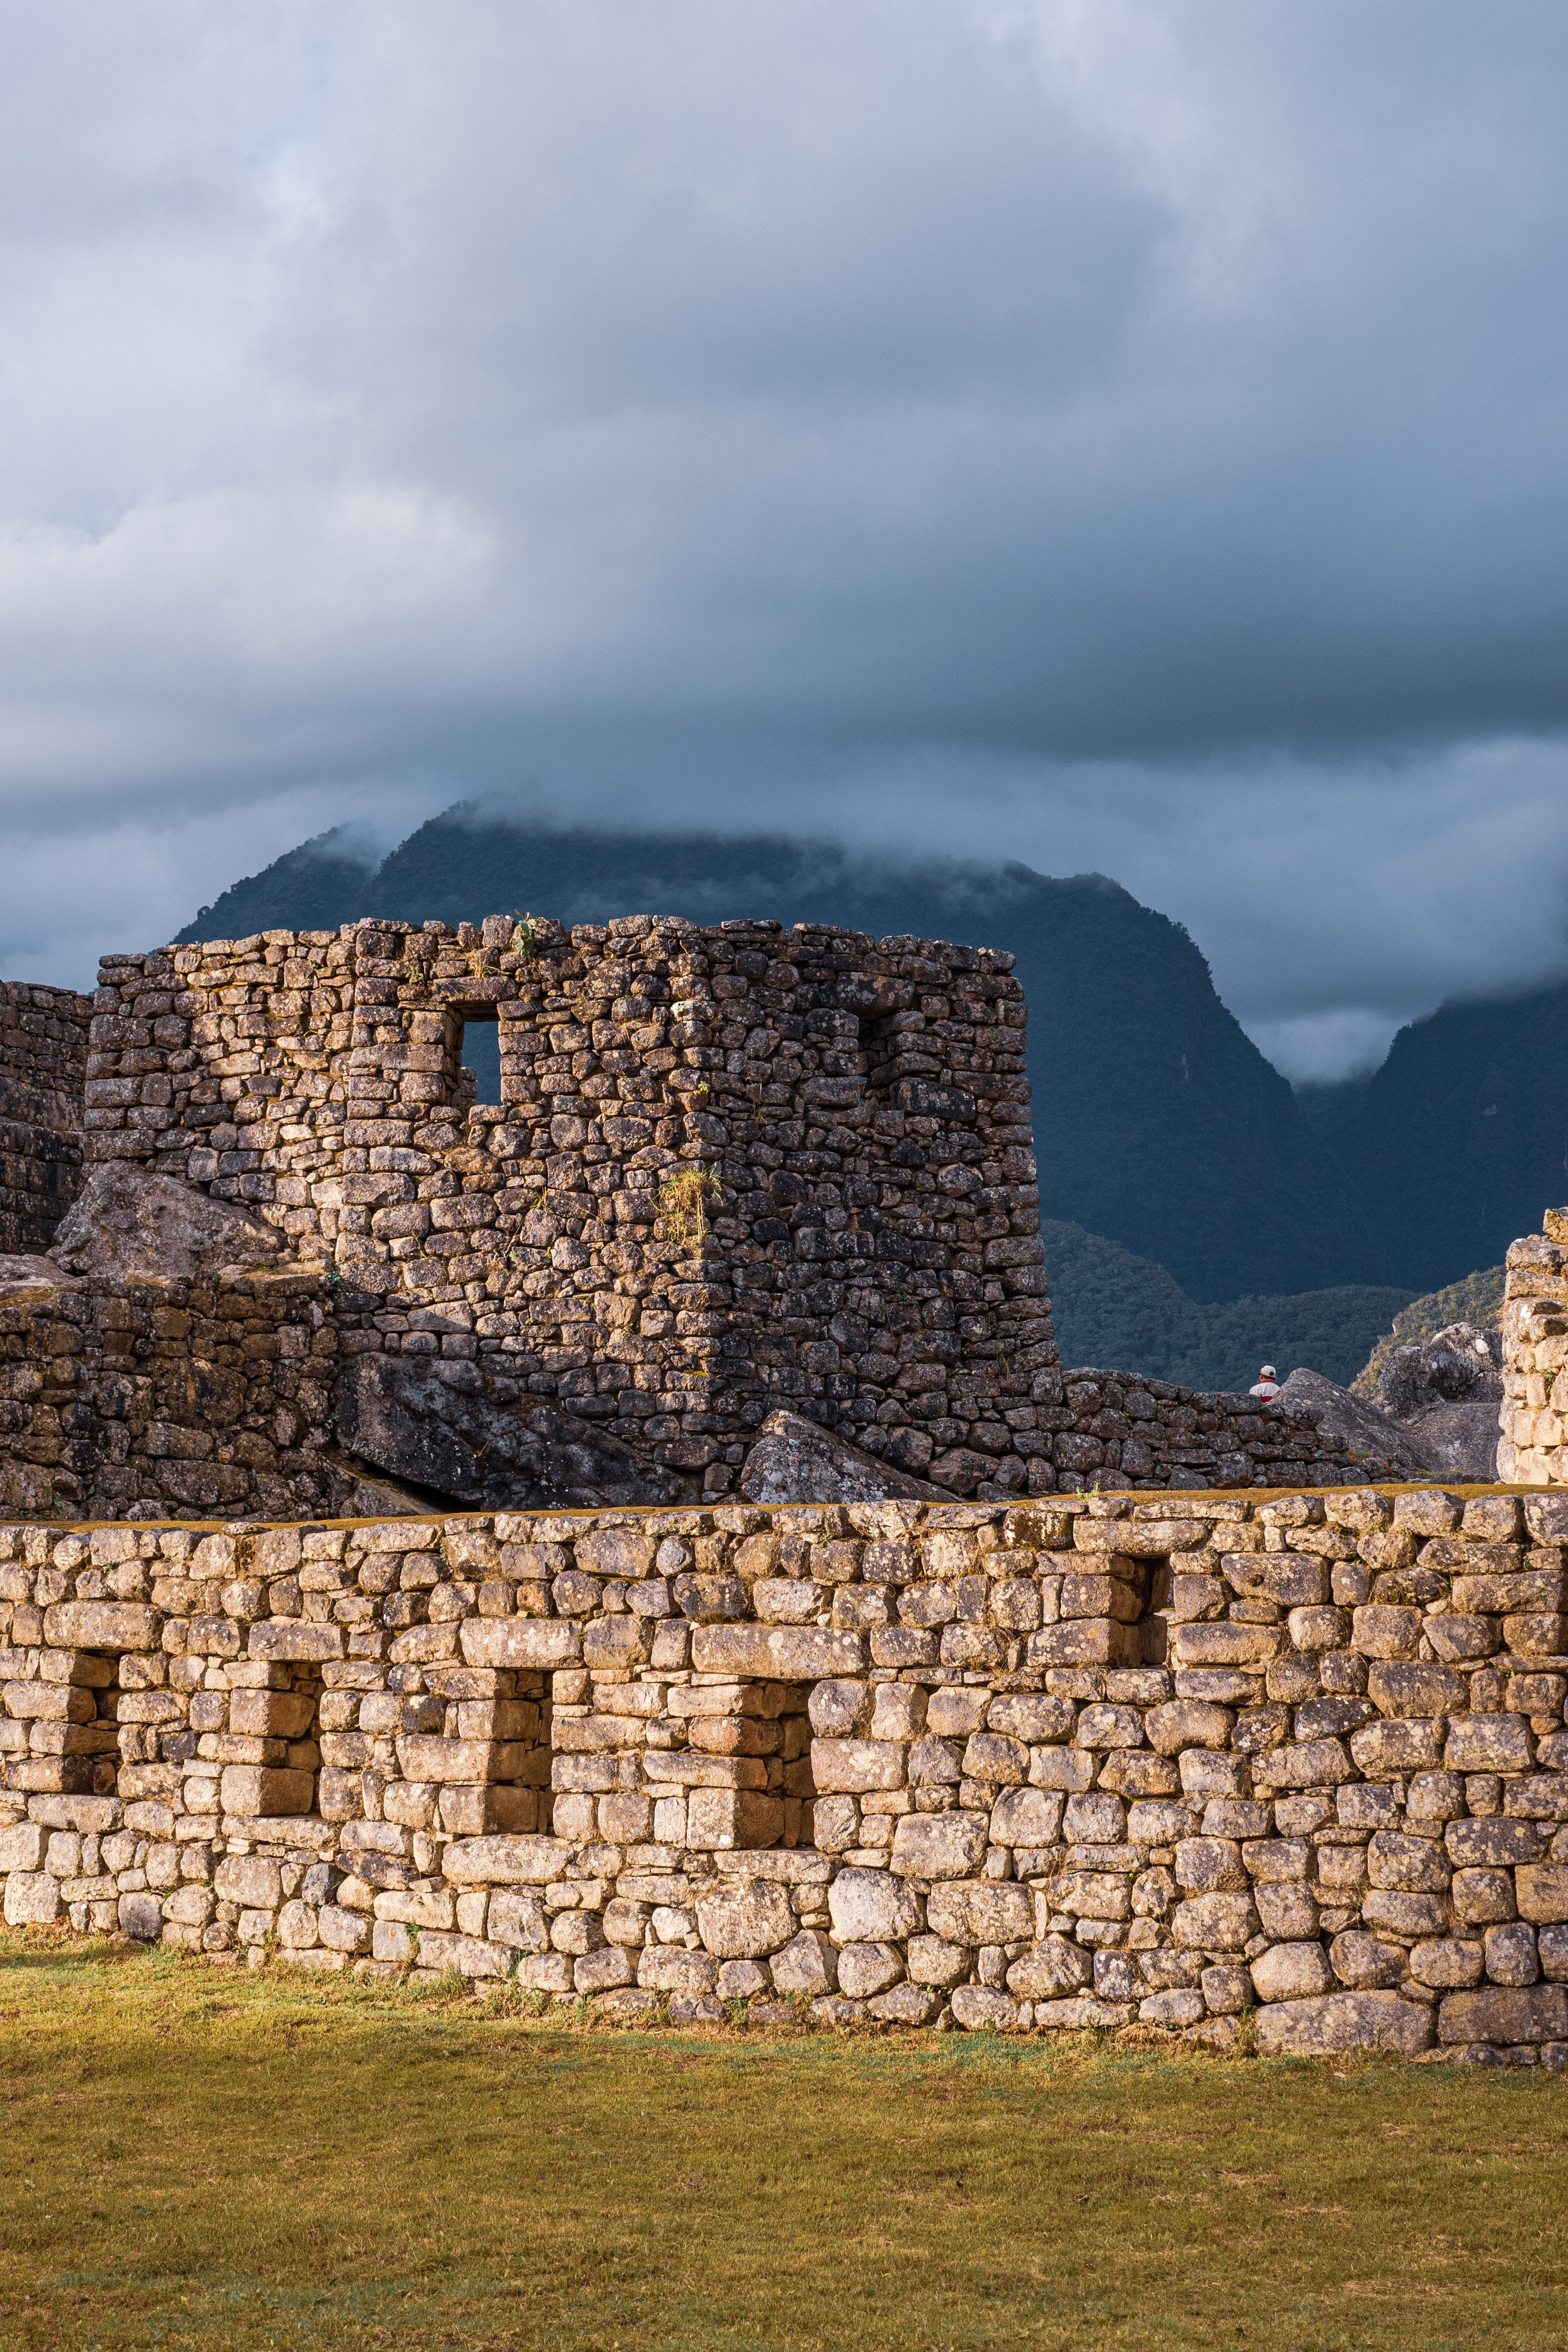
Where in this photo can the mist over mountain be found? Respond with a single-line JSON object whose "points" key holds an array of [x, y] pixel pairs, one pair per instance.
{"points": [[1158, 1123], [1460, 1140]]}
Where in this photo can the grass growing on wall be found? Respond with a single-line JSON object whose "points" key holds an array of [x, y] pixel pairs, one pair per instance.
{"points": [[205, 2157]]}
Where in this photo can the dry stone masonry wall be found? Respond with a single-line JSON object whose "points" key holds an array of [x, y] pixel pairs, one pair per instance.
{"points": [[43, 1068], [134, 1399], [732, 1171], [1533, 1447], [1166, 1765]]}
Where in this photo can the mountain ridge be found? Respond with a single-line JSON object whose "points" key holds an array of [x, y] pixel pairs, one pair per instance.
{"points": [[1157, 1122]]}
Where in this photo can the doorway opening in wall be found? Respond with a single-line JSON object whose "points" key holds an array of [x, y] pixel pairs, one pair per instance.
{"points": [[479, 1053]]}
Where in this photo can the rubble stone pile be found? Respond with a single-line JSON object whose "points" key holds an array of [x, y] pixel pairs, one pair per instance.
{"points": [[1218, 1766]]}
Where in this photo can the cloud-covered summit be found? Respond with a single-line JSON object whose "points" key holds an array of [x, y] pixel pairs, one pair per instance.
{"points": [[1126, 436]]}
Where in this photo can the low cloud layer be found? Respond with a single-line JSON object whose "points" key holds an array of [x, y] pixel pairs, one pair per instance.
{"points": [[1118, 435]]}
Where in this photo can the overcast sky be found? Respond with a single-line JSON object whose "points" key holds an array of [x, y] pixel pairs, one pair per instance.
{"points": [[1116, 433]]}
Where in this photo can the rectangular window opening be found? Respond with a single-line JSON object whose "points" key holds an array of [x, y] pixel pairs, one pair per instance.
{"points": [[479, 1059], [877, 1046]]}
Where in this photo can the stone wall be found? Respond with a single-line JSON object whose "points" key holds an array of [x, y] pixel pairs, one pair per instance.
{"points": [[43, 1069], [732, 1169], [1533, 1448], [1143, 1765], [132, 1398]]}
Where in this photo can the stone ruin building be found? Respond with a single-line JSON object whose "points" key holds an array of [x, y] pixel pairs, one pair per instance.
{"points": [[733, 1172], [807, 1644]]}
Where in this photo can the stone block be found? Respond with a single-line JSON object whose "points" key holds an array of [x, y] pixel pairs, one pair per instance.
{"points": [[976, 2009], [1188, 1723], [1050, 1970], [873, 1906], [1173, 2011], [806, 1964], [1025, 1817], [535, 1643], [1513, 2015], [249, 1880], [1383, 1748], [32, 1899], [849, 1767], [249, 1791], [868, 1968], [1541, 1891], [21, 1846], [114, 1625], [670, 1968], [786, 1654], [905, 2004], [501, 1860], [1489, 1743], [141, 1918], [730, 1820], [1338, 2021], [939, 1845], [980, 1911], [1216, 1922], [1291, 1972], [1365, 1963], [744, 1918]]}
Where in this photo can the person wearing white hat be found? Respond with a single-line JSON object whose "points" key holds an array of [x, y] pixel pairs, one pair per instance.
{"points": [[1266, 1385]]}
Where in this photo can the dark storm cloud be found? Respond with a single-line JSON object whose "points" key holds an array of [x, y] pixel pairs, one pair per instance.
{"points": [[1114, 436]]}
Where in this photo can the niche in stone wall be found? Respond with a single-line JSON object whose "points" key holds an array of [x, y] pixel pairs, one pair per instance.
{"points": [[739, 1776]]}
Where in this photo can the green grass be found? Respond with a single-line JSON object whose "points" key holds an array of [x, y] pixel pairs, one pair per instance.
{"points": [[200, 2157]]}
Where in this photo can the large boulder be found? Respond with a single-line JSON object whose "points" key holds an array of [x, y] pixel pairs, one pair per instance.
{"points": [[796, 1461], [1459, 1440], [440, 1426], [1461, 1364], [1380, 1445], [128, 1226]]}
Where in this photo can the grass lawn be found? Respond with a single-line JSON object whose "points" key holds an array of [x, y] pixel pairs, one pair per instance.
{"points": [[190, 2155]]}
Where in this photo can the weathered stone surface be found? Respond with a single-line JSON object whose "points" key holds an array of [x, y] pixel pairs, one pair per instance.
{"points": [[32, 1899], [1459, 1440], [489, 1860], [1291, 1972], [396, 1411], [746, 1918], [976, 2008], [1367, 1432], [521, 1642], [788, 1654], [797, 1461], [1343, 2020], [115, 1625], [870, 1905], [1215, 1922], [1512, 2015], [806, 1964], [939, 1845], [905, 2004], [127, 1225], [980, 1911], [1051, 1968], [1365, 1963], [1541, 1891]]}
